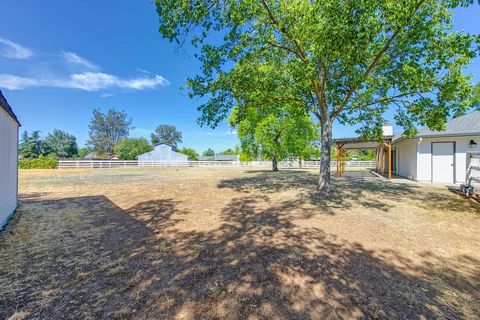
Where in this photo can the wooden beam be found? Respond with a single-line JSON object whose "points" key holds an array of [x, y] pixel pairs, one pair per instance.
{"points": [[389, 161], [383, 161]]}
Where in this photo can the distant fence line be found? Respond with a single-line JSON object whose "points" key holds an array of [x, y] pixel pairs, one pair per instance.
{"points": [[100, 164]]}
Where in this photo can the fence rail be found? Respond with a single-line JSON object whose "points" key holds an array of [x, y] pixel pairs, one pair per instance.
{"points": [[104, 164]]}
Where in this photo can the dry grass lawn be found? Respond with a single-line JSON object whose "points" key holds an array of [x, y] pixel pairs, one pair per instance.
{"points": [[233, 243]]}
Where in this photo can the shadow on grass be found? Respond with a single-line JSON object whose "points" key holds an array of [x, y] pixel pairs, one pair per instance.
{"points": [[87, 258], [347, 192]]}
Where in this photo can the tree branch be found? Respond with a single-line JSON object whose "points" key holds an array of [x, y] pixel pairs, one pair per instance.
{"points": [[284, 48], [284, 31], [375, 60], [382, 100]]}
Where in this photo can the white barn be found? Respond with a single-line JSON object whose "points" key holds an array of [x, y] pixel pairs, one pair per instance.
{"points": [[447, 156], [8, 161], [163, 152]]}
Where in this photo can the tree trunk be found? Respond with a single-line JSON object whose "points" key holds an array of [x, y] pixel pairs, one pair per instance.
{"points": [[326, 145], [274, 162], [299, 162]]}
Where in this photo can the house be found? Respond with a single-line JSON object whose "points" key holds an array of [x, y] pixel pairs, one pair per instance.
{"points": [[440, 156], [220, 157], [8, 161], [163, 152]]}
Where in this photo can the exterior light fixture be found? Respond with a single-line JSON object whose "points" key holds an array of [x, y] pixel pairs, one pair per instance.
{"points": [[473, 144]]}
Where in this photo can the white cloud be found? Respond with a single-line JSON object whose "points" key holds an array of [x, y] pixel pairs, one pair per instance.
{"points": [[14, 50], [12, 82], [86, 76], [73, 58], [87, 81]]}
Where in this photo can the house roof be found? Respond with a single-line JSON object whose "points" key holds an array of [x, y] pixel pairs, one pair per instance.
{"points": [[5, 106], [468, 124], [220, 157], [226, 157]]}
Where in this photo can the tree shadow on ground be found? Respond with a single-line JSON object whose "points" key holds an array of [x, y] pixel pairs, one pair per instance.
{"points": [[347, 192], [87, 258]]}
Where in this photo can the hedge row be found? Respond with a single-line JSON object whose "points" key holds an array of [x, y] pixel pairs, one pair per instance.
{"points": [[40, 163]]}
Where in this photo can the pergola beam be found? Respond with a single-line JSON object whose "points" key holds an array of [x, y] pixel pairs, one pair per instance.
{"points": [[383, 153]]}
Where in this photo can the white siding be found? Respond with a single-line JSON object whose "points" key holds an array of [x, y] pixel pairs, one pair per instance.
{"points": [[163, 152], [462, 145], [407, 158], [8, 166]]}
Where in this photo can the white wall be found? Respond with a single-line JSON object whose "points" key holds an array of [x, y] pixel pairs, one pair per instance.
{"points": [[424, 156], [407, 158], [8, 166]]}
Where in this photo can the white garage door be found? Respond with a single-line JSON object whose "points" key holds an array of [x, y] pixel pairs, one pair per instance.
{"points": [[443, 164]]}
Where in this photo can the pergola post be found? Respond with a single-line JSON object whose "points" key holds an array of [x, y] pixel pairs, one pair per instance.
{"points": [[383, 161], [389, 160], [377, 159]]}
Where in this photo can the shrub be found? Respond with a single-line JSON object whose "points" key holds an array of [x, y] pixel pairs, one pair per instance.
{"points": [[40, 163]]}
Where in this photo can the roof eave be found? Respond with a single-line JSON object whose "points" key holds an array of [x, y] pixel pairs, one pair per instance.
{"points": [[470, 134]]}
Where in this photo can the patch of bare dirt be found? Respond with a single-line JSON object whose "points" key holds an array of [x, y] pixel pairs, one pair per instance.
{"points": [[230, 243]]}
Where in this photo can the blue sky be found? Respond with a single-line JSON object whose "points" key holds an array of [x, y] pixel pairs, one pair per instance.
{"points": [[59, 59]]}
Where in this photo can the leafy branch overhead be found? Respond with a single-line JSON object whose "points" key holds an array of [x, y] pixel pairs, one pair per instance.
{"points": [[349, 61], [353, 57]]}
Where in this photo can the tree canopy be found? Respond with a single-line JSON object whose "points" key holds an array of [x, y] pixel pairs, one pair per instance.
{"points": [[30, 145], [131, 148], [107, 129], [168, 134], [60, 144], [274, 134], [208, 153], [191, 153], [348, 61]]}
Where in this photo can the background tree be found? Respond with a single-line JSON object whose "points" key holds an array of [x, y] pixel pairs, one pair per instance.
{"points": [[82, 152], [366, 155], [235, 151], [191, 153], [347, 60], [168, 134], [106, 130], [208, 153], [131, 148], [30, 145], [272, 133], [60, 144]]}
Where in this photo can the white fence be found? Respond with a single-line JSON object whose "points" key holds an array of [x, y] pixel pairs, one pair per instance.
{"points": [[97, 164]]}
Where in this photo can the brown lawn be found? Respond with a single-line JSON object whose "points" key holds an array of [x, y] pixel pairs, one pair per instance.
{"points": [[231, 243]]}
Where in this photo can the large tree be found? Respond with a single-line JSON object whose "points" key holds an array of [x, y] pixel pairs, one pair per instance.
{"points": [[131, 148], [60, 144], [30, 145], [347, 60], [273, 133], [168, 134], [107, 129]]}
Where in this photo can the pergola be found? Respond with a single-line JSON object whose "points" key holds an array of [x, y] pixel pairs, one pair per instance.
{"points": [[383, 153]]}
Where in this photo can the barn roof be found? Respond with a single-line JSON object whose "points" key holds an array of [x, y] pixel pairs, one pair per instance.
{"points": [[5, 106]]}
